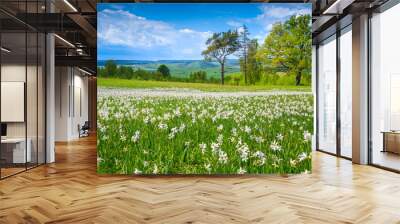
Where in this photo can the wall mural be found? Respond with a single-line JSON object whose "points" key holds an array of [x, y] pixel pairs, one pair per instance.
{"points": [[204, 88]]}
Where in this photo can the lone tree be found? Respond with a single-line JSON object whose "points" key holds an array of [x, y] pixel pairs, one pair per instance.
{"points": [[243, 51], [253, 66], [219, 46], [164, 70], [289, 46], [110, 68]]}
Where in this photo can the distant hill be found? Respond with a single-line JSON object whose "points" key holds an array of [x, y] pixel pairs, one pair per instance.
{"points": [[181, 68]]}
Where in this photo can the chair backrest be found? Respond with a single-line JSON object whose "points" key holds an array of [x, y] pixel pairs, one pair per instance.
{"points": [[86, 125]]}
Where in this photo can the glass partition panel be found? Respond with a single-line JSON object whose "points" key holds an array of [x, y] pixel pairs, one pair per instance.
{"points": [[22, 77], [346, 92], [31, 98], [385, 89], [14, 153], [41, 98], [327, 95]]}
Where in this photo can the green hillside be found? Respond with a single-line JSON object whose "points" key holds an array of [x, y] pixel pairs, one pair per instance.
{"points": [[182, 68]]}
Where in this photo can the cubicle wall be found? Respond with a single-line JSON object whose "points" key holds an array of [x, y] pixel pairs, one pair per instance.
{"points": [[22, 77]]}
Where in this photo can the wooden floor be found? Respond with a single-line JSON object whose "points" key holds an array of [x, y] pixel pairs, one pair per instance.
{"points": [[5, 172], [70, 191], [387, 159]]}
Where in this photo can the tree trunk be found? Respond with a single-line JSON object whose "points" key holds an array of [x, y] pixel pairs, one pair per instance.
{"points": [[245, 69], [298, 78], [222, 73]]}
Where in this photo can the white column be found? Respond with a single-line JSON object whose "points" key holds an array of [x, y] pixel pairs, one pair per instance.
{"points": [[360, 90], [50, 100]]}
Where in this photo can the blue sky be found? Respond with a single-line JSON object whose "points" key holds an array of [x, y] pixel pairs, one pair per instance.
{"points": [[152, 31]]}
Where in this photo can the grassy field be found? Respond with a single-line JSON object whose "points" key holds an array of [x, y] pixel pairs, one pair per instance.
{"points": [[204, 135], [123, 83]]}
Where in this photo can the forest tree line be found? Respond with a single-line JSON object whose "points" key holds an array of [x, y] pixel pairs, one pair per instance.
{"points": [[284, 58]]}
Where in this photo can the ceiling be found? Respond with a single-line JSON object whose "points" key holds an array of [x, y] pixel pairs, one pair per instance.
{"points": [[73, 22], [329, 15]]}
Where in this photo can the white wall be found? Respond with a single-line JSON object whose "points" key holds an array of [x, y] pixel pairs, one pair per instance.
{"points": [[33, 126], [62, 82], [16, 73], [70, 83]]}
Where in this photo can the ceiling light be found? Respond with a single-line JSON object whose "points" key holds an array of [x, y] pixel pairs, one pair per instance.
{"points": [[64, 40], [70, 5], [86, 72], [338, 6], [5, 50]]}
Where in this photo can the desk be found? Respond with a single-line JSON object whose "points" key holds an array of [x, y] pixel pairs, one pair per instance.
{"points": [[13, 150], [391, 141]]}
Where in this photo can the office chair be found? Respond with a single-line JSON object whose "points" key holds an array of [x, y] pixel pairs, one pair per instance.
{"points": [[84, 130]]}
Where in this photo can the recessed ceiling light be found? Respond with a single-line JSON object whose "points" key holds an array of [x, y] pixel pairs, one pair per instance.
{"points": [[86, 72], [64, 40], [70, 5], [5, 50], [338, 6]]}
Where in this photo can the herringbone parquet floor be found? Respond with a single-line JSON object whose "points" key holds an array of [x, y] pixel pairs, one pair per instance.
{"points": [[70, 191]]}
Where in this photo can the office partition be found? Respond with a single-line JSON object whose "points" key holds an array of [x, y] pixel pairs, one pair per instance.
{"points": [[22, 77]]}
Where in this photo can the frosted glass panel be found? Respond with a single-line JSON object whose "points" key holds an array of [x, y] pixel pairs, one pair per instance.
{"points": [[327, 96]]}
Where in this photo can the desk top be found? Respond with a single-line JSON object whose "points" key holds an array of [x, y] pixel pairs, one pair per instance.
{"points": [[13, 140], [391, 132]]}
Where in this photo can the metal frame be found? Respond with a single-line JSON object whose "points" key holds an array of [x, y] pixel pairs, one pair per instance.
{"points": [[369, 90], [338, 75], [0, 90], [317, 97], [337, 34]]}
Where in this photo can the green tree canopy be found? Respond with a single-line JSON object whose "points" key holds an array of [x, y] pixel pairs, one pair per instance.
{"points": [[164, 70], [199, 76], [219, 46], [253, 64], [288, 45], [243, 51], [110, 68]]}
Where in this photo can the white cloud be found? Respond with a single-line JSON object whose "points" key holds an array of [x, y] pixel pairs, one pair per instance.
{"points": [[186, 30], [187, 51], [234, 23], [276, 12], [269, 27], [240, 29], [270, 14], [122, 28]]}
